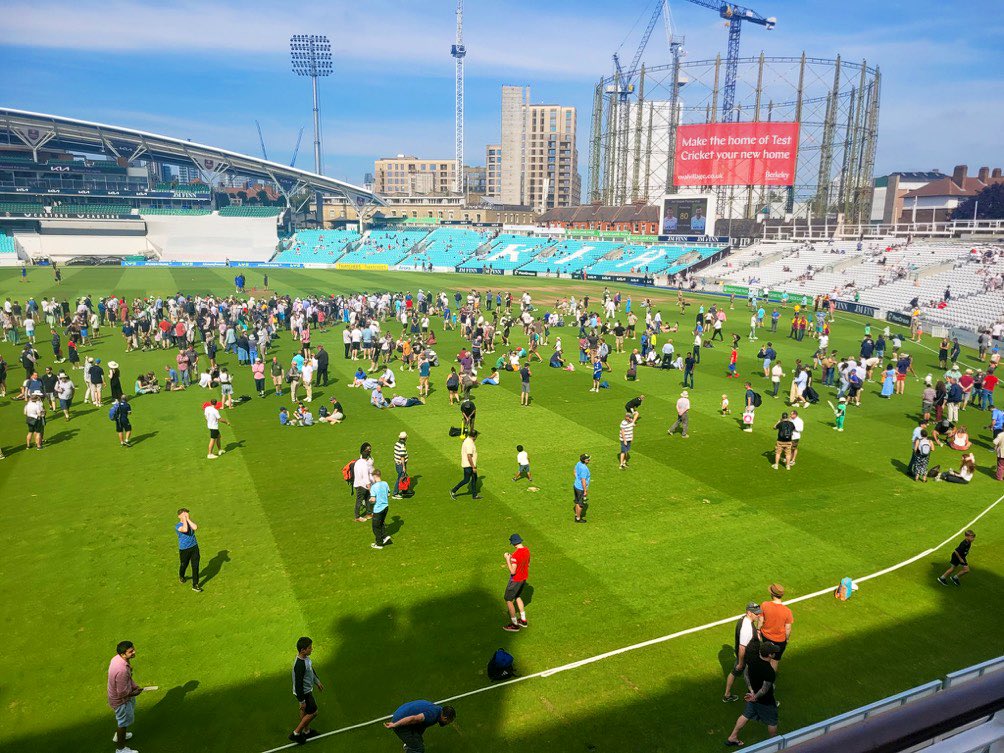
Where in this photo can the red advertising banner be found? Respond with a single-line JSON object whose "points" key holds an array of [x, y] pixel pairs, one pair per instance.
{"points": [[736, 154]]}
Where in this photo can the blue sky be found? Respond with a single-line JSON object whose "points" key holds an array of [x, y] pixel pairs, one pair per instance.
{"points": [[206, 70]]}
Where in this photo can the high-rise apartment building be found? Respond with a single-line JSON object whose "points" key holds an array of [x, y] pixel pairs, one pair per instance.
{"points": [[411, 176], [493, 171], [539, 155], [475, 178]]}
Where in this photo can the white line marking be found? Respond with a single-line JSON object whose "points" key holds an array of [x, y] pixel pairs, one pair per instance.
{"points": [[660, 639]]}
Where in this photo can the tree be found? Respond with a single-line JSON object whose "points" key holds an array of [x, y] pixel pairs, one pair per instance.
{"points": [[988, 204]]}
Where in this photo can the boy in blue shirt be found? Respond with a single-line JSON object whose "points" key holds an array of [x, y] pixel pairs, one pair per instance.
{"points": [[597, 374], [379, 498], [581, 488], [411, 720]]}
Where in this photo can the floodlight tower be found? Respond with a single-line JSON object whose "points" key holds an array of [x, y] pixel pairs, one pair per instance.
{"points": [[459, 51], [310, 55]]}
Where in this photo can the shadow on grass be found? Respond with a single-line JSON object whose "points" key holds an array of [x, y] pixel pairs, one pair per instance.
{"points": [[143, 437], [60, 437], [395, 525], [214, 567], [231, 446]]}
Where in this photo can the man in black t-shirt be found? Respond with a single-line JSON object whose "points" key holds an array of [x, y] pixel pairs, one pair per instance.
{"points": [[761, 705], [785, 432], [468, 412], [524, 376], [960, 559], [632, 406]]}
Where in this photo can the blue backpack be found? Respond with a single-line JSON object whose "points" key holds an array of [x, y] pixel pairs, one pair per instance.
{"points": [[501, 666], [114, 411]]}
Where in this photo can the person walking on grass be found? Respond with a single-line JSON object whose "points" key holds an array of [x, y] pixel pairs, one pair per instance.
{"points": [[760, 674], [379, 493], [122, 693], [188, 548], [411, 720], [469, 465], [682, 415], [747, 643], [123, 426], [785, 432], [305, 679], [518, 563], [777, 622], [626, 437], [580, 487], [400, 463], [362, 479], [839, 414], [796, 435], [960, 559], [211, 411], [522, 464]]}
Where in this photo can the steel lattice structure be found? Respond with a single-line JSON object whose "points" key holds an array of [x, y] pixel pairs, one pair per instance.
{"points": [[836, 103]]}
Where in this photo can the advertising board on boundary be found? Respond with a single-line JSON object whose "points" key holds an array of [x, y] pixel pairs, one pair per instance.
{"points": [[362, 267], [898, 317], [524, 273], [480, 271], [855, 308], [631, 279]]}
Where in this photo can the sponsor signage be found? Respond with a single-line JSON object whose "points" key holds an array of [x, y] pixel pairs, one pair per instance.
{"points": [[68, 216], [363, 267], [898, 317], [524, 273], [470, 224], [736, 154], [855, 308], [248, 264], [480, 271], [635, 279], [712, 240], [735, 290], [97, 191]]}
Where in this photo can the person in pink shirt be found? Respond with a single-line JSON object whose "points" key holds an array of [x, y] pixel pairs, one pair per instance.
{"points": [[122, 692], [258, 372]]}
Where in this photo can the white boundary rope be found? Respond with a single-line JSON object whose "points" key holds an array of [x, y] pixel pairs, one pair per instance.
{"points": [[656, 641]]}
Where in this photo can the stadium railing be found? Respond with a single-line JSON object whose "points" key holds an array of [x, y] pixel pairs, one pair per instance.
{"points": [[940, 709]]}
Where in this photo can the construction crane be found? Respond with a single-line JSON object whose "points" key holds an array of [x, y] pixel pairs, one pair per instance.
{"points": [[296, 149], [261, 140], [734, 15], [459, 51]]}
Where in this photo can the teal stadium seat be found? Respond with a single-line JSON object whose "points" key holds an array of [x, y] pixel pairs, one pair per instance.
{"points": [[449, 247], [385, 246], [317, 246]]}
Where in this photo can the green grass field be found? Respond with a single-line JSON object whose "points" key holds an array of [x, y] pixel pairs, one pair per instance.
{"points": [[690, 533]]}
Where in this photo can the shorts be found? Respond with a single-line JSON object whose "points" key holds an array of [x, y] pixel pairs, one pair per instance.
{"points": [[513, 589], [782, 446], [226, 389], [524, 470], [625, 447], [310, 705], [781, 646], [900, 377], [761, 712], [579, 495], [214, 433], [957, 560], [794, 443], [526, 388], [125, 714], [732, 367], [35, 425], [65, 404], [123, 426]]}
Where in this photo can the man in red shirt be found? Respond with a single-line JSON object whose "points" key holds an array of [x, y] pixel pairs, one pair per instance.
{"points": [[518, 563], [989, 382]]}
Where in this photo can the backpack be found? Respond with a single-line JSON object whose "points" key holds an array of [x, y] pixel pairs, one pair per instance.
{"points": [[113, 411], [757, 400], [501, 666], [349, 472], [455, 431]]}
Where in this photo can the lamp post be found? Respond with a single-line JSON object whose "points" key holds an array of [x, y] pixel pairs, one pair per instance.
{"points": [[310, 55]]}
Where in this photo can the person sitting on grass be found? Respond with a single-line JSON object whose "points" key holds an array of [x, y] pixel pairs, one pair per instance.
{"points": [[358, 378], [377, 400], [556, 362], [964, 475], [960, 439], [173, 381], [492, 379], [332, 416], [285, 419]]}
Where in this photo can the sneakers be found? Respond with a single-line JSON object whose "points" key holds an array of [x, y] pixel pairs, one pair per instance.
{"points": [[210, 456], [453, 495], [397, 496], [581, 520], [523, 623], [729, 698], [955, 580], [477, 496], [774, 466], [222, 451], [510, 628], [942, 580], [374, 545], [298, 739], [387, 540], [197, 589], [115, 737], [360, 520]]}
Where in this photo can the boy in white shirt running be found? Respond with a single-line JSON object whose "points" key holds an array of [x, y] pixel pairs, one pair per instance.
{"points": [[523, 461]]}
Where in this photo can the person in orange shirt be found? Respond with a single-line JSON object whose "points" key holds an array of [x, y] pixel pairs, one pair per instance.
{"points": [[777, 621]]}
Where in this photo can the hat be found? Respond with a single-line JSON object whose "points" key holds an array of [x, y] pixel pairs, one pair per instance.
{"points": [[777, 590], [583, 457], [969, 371], [753, 607], [842, 400], [403, 435], [684, 394], [97, 360], [515, 539], [36, 393], [112, 365]]}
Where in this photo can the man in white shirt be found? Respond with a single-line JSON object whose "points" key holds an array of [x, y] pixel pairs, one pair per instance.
{"points": [[795, 435], [34, 414], [746, 631], [362, 479], [213, 420], [682, 415], [469, 464], [309, 364], [776, 372]]}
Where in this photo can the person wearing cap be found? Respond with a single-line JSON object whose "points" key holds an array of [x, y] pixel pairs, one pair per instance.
{"points": [[48, 380], [840, 414], [581, 487], [760, 674], [64, 392], [747, 640], [626, 437], [34, 414], [123, 426], [97, 380], [114, 380], [400, 462], [682, 415], [777, 622], [518, 562], [211, 411]]}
